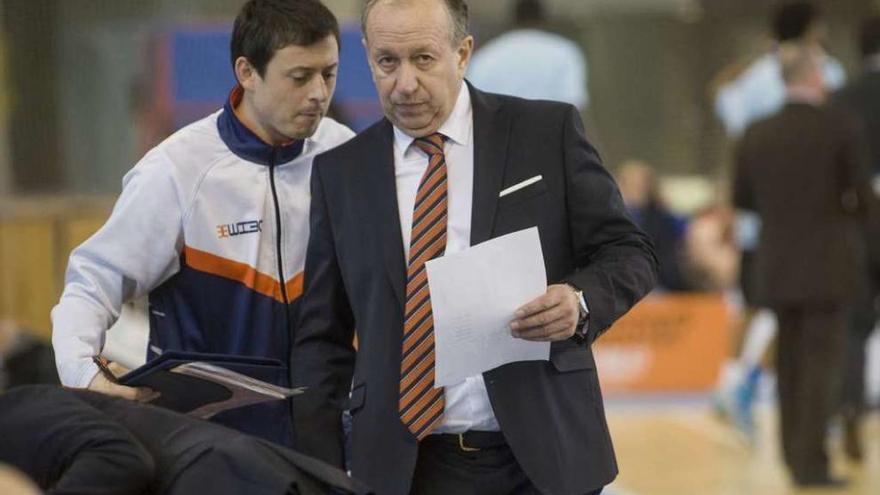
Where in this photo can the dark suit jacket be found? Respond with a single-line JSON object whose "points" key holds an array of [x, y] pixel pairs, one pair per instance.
{"points": [[803, 170], [862, 98], [74, 442], [551, 413]]}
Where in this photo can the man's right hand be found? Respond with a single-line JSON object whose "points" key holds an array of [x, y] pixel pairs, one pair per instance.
{"points": [[102, 384]]}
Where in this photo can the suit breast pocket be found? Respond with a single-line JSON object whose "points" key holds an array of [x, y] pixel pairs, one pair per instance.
{"points": [[522, 191]]}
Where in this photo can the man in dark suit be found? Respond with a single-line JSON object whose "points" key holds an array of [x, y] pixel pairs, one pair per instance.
{"points": [[75, 442], [802, 172], [451, 167], [862, 97]]}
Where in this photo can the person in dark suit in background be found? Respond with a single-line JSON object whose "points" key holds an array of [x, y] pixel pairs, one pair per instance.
{"points": [[802, 172], [862, 97], [640, 188], [450, 167], [81, 442]]}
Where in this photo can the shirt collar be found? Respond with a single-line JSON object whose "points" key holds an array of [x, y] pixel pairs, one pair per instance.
{"points": [[457, 127]]}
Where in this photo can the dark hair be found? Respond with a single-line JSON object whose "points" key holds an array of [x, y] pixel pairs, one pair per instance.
{"points": [[869, 37], [266, 26], [793, 19], [458, 14], [529, 12]]}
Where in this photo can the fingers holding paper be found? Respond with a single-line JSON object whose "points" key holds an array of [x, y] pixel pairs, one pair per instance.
{"points": [[550, 317]]}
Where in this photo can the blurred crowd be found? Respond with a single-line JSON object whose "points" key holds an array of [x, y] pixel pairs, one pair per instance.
{"points": [[792, 237]]}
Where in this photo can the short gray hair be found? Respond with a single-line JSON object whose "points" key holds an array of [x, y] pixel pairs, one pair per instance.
{"points": [[457, 10]]}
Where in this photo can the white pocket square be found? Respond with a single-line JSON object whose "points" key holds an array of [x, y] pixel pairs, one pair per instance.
{"points": [[521, 185]]}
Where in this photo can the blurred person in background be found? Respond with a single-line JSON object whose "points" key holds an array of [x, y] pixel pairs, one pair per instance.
{"points": [[862, 97], [212, 224], [641, 195], [802, 171], [743, 93], [24, 359], [711, 258], [741, 373], [531, 62], [747, 92]]}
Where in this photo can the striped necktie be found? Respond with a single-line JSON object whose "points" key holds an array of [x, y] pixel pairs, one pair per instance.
{"points": [[420, 404]]}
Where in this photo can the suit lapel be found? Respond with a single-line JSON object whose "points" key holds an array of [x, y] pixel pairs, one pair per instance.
{"points": [[491, 132], [379, 188]]}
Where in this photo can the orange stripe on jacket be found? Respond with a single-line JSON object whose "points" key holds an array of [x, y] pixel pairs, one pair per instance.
{"points": [[245, 274]]}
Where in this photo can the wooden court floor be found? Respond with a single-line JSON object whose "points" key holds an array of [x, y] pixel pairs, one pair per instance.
{"points": [[686, 450]]}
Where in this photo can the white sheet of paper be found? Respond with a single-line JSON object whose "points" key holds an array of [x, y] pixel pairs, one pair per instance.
{"points": [[474, 294]]}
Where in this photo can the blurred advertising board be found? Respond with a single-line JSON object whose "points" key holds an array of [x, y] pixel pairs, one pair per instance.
{"points": [[667, 343]]}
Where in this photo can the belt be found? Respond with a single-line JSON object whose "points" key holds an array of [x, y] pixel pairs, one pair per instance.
{"points": [[472, 441]]}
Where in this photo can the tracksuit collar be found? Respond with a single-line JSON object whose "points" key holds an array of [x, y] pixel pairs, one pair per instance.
{"points": [[244, 143]]}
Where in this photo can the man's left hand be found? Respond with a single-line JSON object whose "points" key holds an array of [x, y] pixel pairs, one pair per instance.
{"points": [[553, 316]]}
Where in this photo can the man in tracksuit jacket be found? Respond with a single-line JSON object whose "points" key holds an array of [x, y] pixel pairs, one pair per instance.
{"points": [[212, 223]]}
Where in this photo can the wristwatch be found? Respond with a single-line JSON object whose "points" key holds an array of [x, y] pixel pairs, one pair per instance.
{"points": [[580, 331]]}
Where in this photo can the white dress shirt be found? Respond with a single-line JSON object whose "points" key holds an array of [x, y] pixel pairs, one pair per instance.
{"points": [[467, 403]]}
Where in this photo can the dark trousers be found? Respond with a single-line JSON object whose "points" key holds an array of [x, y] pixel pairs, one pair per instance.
{"points": [[861, 326], [444, 468], [809, 367]]}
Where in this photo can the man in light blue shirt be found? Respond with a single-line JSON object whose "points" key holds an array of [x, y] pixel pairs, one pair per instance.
{"points": [[758, 91], [532, 63]]}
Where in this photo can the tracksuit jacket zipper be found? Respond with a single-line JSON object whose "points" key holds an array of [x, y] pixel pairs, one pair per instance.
{"points": [[278, 237]]}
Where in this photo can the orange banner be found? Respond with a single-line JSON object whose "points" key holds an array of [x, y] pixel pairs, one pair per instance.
{"points": [[667, 343]]}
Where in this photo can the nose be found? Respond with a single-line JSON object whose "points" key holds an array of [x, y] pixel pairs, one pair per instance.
{"points": [[318, 89], [407, 80]]}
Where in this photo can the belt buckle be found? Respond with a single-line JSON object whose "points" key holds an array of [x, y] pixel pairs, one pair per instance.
{"points": [[464, 447]]}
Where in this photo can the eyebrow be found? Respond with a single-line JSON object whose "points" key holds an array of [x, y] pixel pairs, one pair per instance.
{"points": [[377, 52], [307, 68]]}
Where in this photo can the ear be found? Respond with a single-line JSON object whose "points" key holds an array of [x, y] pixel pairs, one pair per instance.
{"points": [[464, 51], [245, 73]]}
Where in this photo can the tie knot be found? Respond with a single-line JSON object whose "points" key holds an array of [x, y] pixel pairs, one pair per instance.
{"points": [[432, 145]]}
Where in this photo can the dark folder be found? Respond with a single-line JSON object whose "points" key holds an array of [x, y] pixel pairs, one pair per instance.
{"points": [[185, 392]]}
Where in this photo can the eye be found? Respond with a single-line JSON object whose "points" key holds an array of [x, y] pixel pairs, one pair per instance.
{"points": [[300, 79], [329, 76], [424, 59], [386, 62]]}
